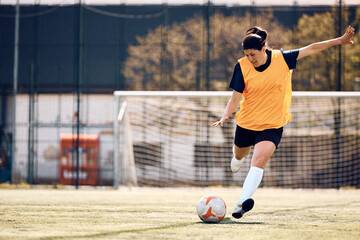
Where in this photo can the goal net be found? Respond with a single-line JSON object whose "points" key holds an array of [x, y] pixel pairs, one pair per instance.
{"points": [[166, 139]]}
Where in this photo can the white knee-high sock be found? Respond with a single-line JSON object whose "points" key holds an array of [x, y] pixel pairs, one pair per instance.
{"points": [[251, 183]]}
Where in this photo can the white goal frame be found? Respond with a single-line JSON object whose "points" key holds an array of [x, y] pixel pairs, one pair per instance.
{"points": [[120, 108]]}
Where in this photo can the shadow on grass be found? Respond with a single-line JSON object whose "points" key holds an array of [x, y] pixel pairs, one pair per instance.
{"points": [[113, 233], [228, 220]]}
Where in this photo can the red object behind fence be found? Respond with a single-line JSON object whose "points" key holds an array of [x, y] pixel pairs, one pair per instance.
{"points": [[88, 159]]}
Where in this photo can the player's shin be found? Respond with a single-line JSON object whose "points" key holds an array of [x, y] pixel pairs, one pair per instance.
{"points": [[251, 183]]}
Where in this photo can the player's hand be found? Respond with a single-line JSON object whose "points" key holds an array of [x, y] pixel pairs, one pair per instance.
{"points": [[220, 122], [347, 37]]}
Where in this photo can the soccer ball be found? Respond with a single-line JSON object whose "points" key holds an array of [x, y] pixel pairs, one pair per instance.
{"points": [[211, 209]]}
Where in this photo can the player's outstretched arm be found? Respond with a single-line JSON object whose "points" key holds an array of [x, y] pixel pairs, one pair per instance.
{"points": [[229, 109], [320, 46]]}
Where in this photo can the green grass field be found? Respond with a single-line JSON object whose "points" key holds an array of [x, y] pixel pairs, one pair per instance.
{"points": [[170, 213]]}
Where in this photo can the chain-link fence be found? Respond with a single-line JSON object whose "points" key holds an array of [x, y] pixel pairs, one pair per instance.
{"points": [[61, 61]]}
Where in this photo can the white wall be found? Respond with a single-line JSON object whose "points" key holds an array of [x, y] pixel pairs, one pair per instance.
{"points": [[54, 115]]}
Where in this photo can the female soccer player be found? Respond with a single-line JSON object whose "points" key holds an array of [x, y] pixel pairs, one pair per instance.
{"points": [[263, 79]]}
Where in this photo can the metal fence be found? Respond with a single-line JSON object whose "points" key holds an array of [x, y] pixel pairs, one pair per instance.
{"points": [[60, 63]]}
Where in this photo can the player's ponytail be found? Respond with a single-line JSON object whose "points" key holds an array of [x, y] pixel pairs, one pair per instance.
{"points": [[256, 38]]}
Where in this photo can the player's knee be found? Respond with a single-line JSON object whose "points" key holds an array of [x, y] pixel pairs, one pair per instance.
{"points": [[240, 153], [260, 161]]}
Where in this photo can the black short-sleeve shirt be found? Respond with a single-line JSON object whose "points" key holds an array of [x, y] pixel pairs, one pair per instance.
{"points": [[237, 81]]}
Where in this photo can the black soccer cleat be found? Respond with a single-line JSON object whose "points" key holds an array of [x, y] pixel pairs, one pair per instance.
{"points": [[246, 206]]}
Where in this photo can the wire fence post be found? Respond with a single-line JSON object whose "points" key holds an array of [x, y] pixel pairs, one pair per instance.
{"points": [[116, 139], [15, 88], [78, 88], [337, 115]]}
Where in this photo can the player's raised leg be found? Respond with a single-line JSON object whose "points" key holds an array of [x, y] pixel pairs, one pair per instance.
{"points": [[262, 153], [238, 157]]}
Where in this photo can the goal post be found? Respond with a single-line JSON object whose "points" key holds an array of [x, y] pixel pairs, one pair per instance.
{"points": [[165, 138]]}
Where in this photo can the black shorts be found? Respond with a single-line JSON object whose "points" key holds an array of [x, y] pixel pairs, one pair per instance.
{"points": [[247, 138]]}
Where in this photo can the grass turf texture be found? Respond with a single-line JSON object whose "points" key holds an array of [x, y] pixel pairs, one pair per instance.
{"points": [[170, 213]]}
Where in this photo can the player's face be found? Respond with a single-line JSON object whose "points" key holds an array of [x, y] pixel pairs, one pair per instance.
{"points": [[256, 57]]}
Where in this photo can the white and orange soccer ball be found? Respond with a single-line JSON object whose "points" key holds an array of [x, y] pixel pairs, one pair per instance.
{"points": [[211, 209]]}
